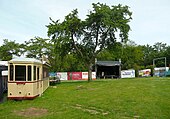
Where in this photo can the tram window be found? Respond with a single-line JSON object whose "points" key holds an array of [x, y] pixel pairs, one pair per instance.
{"points": [[45, 72], [38, 71], [29, 73], [11, 72], [34, 72], [20, 73]]}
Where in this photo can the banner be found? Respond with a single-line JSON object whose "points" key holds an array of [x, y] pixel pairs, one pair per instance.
{"points": [[145, 73], [74, 75], [62, 75], [160, 71], [85, 75], [52, 74], [128, 73]]}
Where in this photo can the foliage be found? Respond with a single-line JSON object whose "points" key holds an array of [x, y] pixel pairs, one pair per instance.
{"points": [[110, 99], [89, 37], [37, 47], [136, 56], [132, 56], [8, 49], [167, 55], [158, 50], [112, 52]]}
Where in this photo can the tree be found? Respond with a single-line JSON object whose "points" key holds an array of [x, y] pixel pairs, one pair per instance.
{"points": [[132, 56], [8, 49], [160, 47], [167, 55], [89, 37], [112, 52], [149, 54], [156, 51], [37, 47]]}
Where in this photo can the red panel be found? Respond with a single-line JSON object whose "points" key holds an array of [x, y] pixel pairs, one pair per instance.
{"points": [[74, 75], [23, 98], [20, 83]]}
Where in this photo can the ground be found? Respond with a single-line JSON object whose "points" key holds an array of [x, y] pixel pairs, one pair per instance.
{"points": [[111, 99], [31, 112]]}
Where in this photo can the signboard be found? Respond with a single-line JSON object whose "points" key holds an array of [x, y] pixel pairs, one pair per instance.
{"points": [[74, 75], [62, 75], [85, 75], [145, 73], [4, 73], [128, 73], [52, 74], [160, 71]]}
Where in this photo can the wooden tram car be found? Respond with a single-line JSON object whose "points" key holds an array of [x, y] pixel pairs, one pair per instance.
{"points": [[27, 78]]}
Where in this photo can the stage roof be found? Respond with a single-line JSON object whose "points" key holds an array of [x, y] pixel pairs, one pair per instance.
{"points": [[108, 63]]}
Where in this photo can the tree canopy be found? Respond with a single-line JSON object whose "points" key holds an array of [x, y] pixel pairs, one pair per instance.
{"points": [[87, 38], [10, 48]]}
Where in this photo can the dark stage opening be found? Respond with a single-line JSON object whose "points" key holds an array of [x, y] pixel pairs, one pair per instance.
{"points": [[108, 69]]}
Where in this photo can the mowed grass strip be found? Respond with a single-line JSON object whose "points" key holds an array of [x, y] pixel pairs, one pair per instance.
{"points": [[113, 99]]}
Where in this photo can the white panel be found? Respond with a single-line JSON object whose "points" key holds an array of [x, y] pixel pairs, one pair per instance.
{"points": [[4, 73], [85, 75], [62, 75], [128, 73]]}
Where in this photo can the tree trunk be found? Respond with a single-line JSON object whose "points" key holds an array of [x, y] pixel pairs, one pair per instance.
{"points": [[90, 72]]}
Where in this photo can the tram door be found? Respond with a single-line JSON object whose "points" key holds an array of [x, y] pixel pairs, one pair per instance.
{"points": [[20, 77], [39, 81]]}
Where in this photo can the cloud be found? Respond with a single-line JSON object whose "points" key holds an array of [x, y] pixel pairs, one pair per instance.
{"points": [[22, 20], [14, 36]]}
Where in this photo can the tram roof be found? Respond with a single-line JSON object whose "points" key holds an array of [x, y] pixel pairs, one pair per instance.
{"points": [[3, 63], [26, 60]]}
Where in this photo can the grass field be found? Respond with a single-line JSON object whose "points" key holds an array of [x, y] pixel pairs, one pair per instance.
{"points": [[144, 98]]}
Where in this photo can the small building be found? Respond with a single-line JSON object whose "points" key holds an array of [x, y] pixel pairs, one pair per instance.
{"points": [[3, 77], [1, 89], [108, 69], [27, 78]]}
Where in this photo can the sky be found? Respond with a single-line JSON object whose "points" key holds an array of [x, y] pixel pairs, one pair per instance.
{"points": [[22, 20]]}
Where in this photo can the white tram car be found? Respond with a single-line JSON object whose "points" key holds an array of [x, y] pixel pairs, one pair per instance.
{"points": [[27, 78]]}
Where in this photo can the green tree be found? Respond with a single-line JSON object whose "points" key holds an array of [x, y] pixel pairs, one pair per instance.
{"points": [[167, 55], [160, 49], [149, 54], [132, 57], [112, 52], [8, 49], [89, 37], [37, 47]]}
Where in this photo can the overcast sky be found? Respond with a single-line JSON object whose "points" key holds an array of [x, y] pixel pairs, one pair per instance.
{"points": [[21, 20]]}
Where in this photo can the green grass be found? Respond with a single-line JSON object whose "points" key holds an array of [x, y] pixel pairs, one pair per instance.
{"points": [[144, 98]]}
